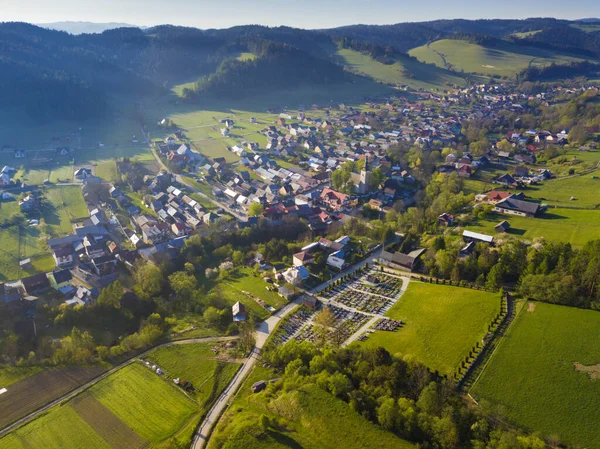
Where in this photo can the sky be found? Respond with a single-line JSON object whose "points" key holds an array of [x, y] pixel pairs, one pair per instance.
{"points": [[297, 13]]}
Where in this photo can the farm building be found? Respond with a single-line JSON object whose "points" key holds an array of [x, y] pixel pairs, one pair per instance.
{"points": [[503, 226], [469, 236], [515, 206]]}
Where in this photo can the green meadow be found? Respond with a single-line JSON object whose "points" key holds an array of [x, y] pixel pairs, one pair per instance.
{"points": [[505, 59], [405, 71], [536, 376], [575, 226], [441, 324]]}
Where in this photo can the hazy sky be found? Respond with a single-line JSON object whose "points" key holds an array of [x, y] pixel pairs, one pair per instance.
{"points": [[298, 13]]}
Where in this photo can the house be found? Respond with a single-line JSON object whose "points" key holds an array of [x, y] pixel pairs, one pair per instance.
{"points": [[400, 260], [285, 293], [35, 283], [336, 260], [506, 180], [28, 203], [469, 236], [446, 219], [496, 195], [296, 275], [503, 226], [178, 229], [521, 171], [82, 173], [335, 200], [60, 279], [514, 206], [238, 311], [303, 258], [83, 296]]}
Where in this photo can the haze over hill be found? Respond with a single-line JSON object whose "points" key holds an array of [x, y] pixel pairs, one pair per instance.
{"points": [[85, 27]]}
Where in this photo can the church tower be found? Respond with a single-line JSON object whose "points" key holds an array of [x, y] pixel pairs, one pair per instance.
{"points": [[365, 177]]}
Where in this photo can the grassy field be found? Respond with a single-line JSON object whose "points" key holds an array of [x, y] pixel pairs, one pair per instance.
{"points": [[533, 377], [197, 364], [68, 206], [133, 408], [442, 324], [406, 71], [504, 60], [311, 417], [243, 279], [18, 243], [61, 428], [574, 226], [558, 192], [154, 409]]}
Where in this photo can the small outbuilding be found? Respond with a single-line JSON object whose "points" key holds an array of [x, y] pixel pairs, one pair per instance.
{"points": [[238, 311], [503, 226], [259, 386]]}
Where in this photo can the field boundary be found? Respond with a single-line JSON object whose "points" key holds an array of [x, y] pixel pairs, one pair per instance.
{"points": [[499, 340]]}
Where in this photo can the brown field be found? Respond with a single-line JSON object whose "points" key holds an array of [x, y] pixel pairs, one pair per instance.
{"points": [[114, 431], [36, 391]]}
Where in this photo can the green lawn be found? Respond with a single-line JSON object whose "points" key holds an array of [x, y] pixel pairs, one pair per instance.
{"points": [[404, 71], [558, 192], [143, 400], [232, 295], [313, 419], [574, 226], [243, 279], [505, 59], [196, 363], [532, 375], [12, 251], [67, 207], [442, 324]]}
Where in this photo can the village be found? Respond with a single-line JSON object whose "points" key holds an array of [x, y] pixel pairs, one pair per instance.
{"points": [[324, 169]]}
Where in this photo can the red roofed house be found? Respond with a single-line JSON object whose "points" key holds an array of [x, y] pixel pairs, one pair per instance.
{"points": [[495, 195], [335, 200]]}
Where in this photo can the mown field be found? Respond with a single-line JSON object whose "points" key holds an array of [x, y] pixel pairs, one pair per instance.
{"points": [[442, 324], [575, 226], [533, 377], [405, 71], [504, 60], [133, 408], [558, 192], [313, 419], [198, 364]]}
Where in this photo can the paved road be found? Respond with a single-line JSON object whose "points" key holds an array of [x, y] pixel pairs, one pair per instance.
{"points": [[264, 330], [262, 334], [92, 382]]}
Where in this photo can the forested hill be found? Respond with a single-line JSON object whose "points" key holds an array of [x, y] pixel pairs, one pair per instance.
{"points": [[55, 74], [274, 66]]}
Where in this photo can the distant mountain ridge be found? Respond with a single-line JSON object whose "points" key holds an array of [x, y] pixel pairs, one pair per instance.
{"points": [[85, 27]]}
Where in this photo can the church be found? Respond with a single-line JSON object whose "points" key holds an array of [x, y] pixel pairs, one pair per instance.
{"points": [[361, 180]]}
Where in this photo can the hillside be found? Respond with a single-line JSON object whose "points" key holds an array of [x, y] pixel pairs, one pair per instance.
{"points": [[501, 59], [404, 71]]}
